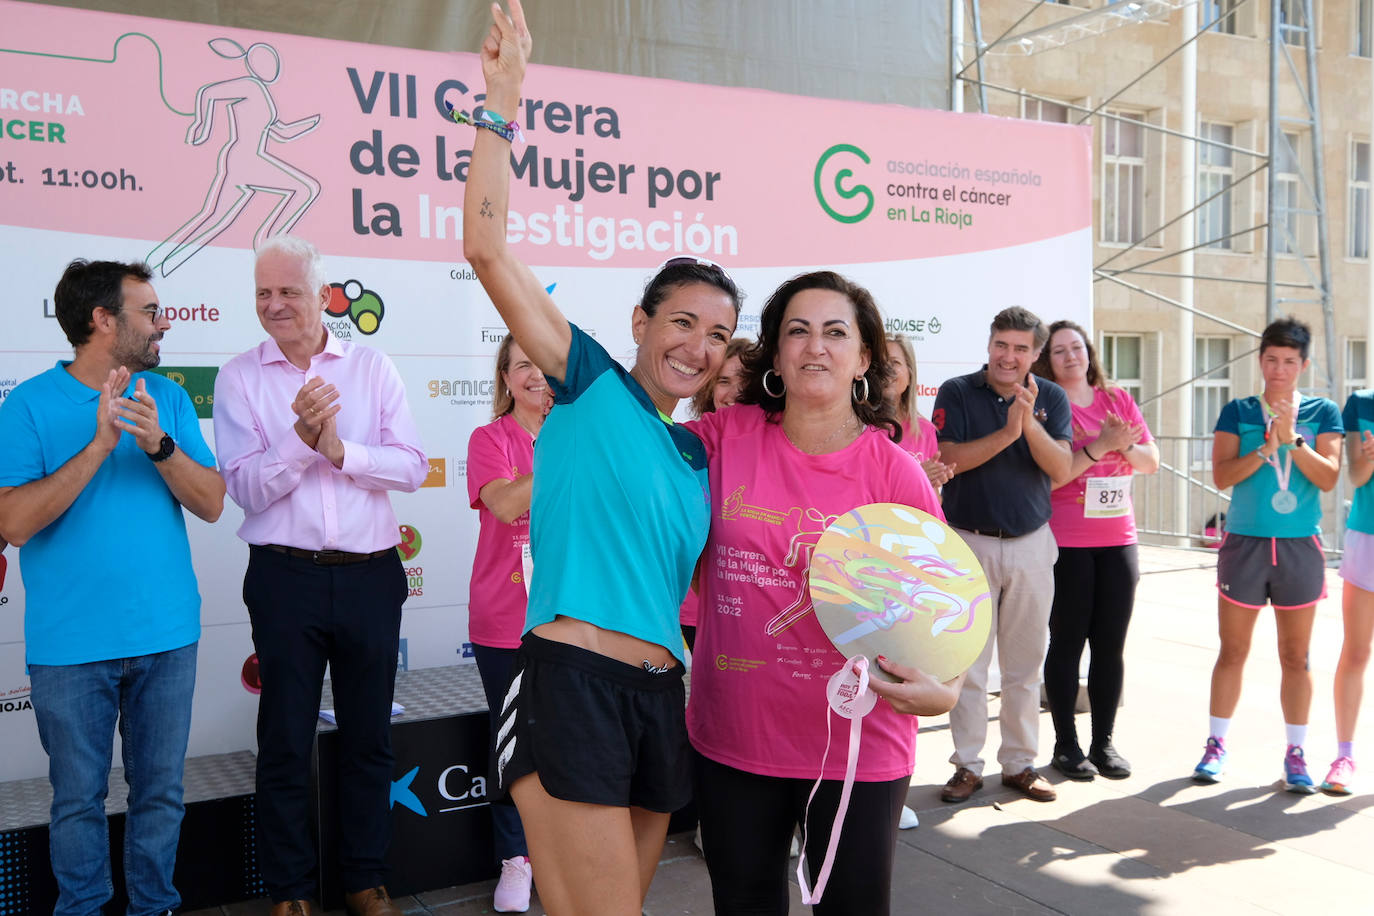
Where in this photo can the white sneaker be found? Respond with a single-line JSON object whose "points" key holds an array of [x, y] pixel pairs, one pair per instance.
{"points": [[513, 890], [908, 819]]}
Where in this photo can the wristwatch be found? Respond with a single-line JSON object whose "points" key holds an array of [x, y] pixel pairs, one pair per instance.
{"points": [[164, 449], [1299, 442]]}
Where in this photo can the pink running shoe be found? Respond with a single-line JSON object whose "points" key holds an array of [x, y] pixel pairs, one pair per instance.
{"points": [[513, 890], [1340, 777]]}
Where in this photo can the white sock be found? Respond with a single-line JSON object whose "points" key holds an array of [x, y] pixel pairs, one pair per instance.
{"points": [[1218, 726], [1297, 734]]}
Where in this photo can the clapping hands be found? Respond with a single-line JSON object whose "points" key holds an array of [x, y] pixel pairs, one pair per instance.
{"points": [[1116, 435]]}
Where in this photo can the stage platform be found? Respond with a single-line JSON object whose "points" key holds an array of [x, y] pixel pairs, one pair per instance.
{"points": [[441, 825]]}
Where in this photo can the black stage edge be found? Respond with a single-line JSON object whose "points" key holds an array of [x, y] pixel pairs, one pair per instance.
{"points": [[216, 857], [440, 822]]}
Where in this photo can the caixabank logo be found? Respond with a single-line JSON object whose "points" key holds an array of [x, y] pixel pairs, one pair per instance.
{"points": [[461, 786], [199, 384], [351, 307]]}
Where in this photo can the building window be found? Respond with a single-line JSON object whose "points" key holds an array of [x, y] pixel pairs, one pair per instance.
{"points": [[1043, 110], [1292, 24], [1357, 232], [1363, 28], [1123, 177], [1287, 226], [1220, 15], [1121, 360], [1356, 369], [1216, 171], [1211, 390]]}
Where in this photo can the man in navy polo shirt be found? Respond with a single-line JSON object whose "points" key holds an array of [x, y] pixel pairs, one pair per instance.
{"points": [[1008, 433], [99, 458]]}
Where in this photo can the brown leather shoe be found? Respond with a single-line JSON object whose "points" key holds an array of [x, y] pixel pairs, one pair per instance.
{"points": [[291, 908], [1031, 784], [961, 785], [374, 901]]}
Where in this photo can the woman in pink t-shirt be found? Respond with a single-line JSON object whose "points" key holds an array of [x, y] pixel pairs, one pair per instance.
{"points": [[1095, 577], [918, 433], [716, 394], [500, 478], [809, 440]]}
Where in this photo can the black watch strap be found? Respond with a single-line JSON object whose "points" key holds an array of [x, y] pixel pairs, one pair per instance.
{"points": [[164, 450]]}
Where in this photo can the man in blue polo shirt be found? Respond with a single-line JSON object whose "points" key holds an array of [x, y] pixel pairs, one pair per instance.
{"points": [[100, 456], [1008, 433]]}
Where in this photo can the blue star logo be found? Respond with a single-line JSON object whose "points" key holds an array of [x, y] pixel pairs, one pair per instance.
{"points": [[401, 792]]}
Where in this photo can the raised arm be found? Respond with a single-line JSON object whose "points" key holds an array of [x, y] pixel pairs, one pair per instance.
{"points": [[1051, 454], [256, 473], [965, 455], [528, 310], [197, 487]]}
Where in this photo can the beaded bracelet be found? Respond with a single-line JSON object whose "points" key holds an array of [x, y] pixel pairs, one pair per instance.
{"points": [[487, 120]]}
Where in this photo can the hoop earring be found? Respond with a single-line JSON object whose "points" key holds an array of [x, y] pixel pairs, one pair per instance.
{"points": [[864, 399], [766, 373]]}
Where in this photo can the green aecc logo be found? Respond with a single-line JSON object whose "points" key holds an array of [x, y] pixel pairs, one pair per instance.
{"points": [[839, 191]]}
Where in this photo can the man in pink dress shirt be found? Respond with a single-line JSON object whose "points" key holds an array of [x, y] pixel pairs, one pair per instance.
{"points": [[312, 432]]}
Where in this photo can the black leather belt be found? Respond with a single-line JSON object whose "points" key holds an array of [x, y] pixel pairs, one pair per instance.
{"points": [[325, 557], [993, 533]]}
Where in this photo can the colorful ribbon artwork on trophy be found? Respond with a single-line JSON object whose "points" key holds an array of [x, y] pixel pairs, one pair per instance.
{"points": [[892, 580]]}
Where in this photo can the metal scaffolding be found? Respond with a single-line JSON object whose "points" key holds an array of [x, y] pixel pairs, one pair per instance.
{"points": [[1290, 212]]}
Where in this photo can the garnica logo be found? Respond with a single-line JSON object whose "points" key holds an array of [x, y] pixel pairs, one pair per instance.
{"points": [[839, 193]]}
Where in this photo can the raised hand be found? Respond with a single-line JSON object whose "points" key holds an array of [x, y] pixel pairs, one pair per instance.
{"points": [[106, 431], [329, 444], [138, 417], [1116, 435], [1022, 409], [1285, 422], [938, 472], [506, 50], [316, 402]]}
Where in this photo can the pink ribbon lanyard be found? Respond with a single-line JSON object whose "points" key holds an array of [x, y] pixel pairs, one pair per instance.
{"points": [[847, 695]]}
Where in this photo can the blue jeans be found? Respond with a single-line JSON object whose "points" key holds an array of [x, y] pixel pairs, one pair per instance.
{"points": [[76, 707]]}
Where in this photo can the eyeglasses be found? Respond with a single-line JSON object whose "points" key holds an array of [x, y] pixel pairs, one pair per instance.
{"points": [[689, 261], [155, 312]]}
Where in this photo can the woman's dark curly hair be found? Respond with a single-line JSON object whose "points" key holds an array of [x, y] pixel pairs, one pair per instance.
{"points": [[873, 410]]}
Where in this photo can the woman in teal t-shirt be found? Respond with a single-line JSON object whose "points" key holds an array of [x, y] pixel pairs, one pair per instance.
{"points": [[1357, 595], [1279, 451]]}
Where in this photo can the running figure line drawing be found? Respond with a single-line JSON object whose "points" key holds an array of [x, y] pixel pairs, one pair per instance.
{"points": [[244, 106], [798, 550]]}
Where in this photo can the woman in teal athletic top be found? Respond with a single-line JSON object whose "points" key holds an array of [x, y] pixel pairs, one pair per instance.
{"points": [[591, 742]]}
